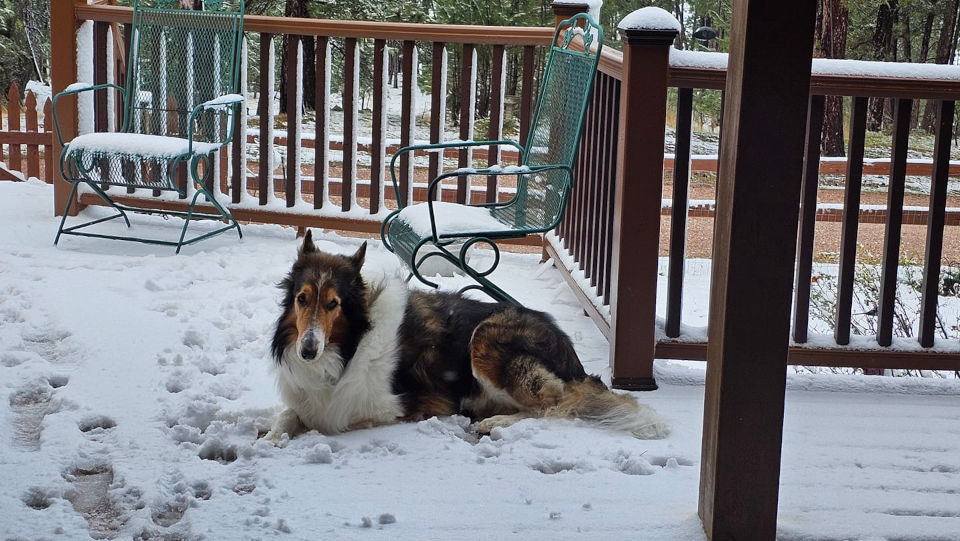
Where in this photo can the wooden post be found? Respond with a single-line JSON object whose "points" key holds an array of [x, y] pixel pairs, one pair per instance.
{"points": [[63, 72], [636, 214], [565, 10], [761, 165]]}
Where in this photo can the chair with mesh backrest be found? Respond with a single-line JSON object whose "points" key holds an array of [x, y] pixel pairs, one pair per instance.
{"points": [[179, 105], [422, 232]]}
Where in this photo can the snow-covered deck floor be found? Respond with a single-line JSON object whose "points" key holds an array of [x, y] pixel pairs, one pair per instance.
{"points": [[133, 384]]}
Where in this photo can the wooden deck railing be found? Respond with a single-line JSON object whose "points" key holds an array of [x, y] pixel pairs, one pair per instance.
{"points": [[590, 234], [608, 242]]}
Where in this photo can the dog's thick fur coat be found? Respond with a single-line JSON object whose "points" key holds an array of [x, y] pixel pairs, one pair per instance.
{"points": [[356, 349]]}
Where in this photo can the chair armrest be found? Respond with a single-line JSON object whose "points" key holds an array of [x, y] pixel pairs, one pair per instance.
{"points": [[221, 102], [439, 147], [77, 88]]}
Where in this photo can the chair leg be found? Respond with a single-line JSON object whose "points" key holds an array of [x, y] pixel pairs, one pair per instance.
{"points": [[186, 222], [66, 212], [227, 215]]}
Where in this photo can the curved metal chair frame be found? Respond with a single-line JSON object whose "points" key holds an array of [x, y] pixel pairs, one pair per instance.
{"points": [[544, 177], [166, 96]]}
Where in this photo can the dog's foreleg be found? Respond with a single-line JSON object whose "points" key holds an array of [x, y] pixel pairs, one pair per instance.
{"points": [[287, 423]]}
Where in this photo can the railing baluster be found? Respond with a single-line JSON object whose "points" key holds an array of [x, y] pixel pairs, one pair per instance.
{"points": [[584, 186], [378, 142], [596, 249], [678, 214], [850, 220], [891, 238], [405, 197], [608, 156], [294, 90], [321, 146], [238, 162], [495, 129], [33, 151], [468, 93], [808, 218], [935, 222], [351, 87], [612, 192], [592, 193], [265, 172], [526, 93], [438, 109], [100, 118]]}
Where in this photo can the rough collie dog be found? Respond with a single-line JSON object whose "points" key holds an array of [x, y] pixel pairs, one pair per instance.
{"points": [[358, 349]]}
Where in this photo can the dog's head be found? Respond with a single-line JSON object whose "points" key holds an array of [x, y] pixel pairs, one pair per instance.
{"points": [[325, 310]]}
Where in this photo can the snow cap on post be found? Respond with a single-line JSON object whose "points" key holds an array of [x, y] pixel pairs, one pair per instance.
{"points": [[569, 8], [649, 24]]}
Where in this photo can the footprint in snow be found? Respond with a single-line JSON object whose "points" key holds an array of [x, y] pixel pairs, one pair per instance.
{"points": [[31, 404]]}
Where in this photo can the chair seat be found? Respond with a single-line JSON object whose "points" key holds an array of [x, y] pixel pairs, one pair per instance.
{"points": [[136, 145], [451, 219]]}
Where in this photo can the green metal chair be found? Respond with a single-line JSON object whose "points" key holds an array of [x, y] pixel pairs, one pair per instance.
{"points": [[179, 106], [418, 233]]}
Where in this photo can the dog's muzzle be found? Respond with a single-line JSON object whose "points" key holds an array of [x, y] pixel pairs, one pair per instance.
{"points": [[311, 344]]}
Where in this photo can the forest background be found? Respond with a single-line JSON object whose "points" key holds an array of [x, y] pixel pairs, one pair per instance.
{"points": [[923, 31]]}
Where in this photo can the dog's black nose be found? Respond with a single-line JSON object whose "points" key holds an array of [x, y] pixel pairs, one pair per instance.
{"points": [[308, 348]]}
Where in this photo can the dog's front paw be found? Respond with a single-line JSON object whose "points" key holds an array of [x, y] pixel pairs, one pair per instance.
{"points": [[487, 425], [278, 438]]}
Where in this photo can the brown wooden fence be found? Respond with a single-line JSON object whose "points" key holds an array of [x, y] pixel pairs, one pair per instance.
{"points": [[593, 231], [26, 142]]}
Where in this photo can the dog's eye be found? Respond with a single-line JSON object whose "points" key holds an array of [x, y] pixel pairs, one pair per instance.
{"points": [[302, 299], [332, 304]]}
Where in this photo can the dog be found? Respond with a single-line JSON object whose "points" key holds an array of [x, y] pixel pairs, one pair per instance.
{"points": [[356, 349]]}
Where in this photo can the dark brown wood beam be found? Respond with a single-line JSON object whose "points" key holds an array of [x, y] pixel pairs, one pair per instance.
{"points": [[761, 163]]}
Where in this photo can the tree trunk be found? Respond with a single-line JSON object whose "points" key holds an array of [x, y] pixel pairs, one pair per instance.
{"points": [[924, 57], [292, 8], [883, 44], [833, 44], [309, 72], [946, 48]]}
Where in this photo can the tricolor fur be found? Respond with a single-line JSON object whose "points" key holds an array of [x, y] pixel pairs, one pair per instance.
{"points": [[354, 349]]}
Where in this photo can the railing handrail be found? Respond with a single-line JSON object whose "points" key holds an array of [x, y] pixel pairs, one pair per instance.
{"points": [[827, 84], [446, 33]]}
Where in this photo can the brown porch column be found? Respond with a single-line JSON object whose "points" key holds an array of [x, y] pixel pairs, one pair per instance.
{"points": [[761, 159], [639, 186], [564, 9], [63, 72]]}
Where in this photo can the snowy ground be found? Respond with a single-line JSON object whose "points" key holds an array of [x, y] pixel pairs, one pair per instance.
{"points": [[133, 384]]}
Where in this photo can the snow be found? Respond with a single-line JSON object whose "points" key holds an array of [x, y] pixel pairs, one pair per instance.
{"points": [[450, 218], [829, 66], [649, 18], [226, 99], [134, 383], [135, 144]]}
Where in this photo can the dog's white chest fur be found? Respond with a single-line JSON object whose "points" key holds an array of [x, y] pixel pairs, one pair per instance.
{"points": [[329, 401]]}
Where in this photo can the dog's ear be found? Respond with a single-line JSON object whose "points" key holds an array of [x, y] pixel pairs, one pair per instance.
{"points": [[357, 259], [308, 247]]}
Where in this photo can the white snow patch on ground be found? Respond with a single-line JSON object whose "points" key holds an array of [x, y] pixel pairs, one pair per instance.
{"points": [[134, 384]]}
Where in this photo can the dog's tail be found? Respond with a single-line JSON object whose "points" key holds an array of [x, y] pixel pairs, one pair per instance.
{"points": [[592, 401]]}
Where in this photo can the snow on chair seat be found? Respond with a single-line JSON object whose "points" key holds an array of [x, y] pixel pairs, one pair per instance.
{"points": [[138, 144]]}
